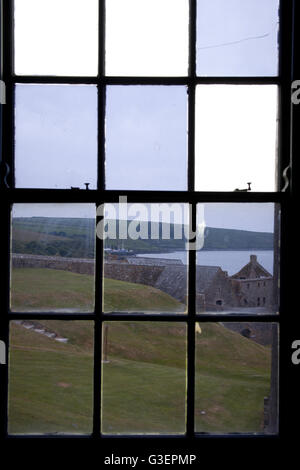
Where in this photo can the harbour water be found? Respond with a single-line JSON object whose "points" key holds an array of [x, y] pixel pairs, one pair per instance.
{"points": [[231, 261]]}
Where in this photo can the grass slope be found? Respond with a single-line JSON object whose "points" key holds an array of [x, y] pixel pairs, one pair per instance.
{"points": [[32, 290], [144, 382]]}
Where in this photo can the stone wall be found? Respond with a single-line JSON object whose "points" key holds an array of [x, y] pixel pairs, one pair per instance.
{"points": [[75, 265], [222, 293], [170, 279], [215, 290], [147, 275], [256, 292]]}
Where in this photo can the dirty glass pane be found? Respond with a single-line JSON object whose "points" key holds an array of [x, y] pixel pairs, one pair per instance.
{"points": [[146, 138], [236, 137], [236, 378], [56, 37], [53, 257], [56, 136], [238, 258], [50, 377], [147, 37], [237, 37], [145, 257], [144, 378]]}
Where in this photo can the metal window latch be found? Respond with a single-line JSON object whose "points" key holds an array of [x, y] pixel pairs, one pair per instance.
{"points": [[4, 172], [246, 189], [76, 188], [285, 176]]}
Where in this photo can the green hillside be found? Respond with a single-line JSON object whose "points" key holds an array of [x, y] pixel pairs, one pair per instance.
{"points": [[71, 237], [144, 381]]}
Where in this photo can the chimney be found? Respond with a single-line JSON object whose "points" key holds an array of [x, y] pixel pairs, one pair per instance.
{"points": [[253, 259]]}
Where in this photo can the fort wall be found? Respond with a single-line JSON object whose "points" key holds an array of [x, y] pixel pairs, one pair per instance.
{"points": [[215, 290]]}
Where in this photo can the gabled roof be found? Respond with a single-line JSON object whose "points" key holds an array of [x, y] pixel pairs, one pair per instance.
{"points": [[252, 270]]}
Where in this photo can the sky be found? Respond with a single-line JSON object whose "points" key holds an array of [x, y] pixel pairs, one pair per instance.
{"points": [[234, 37], [38, 51], [56, 136], [146, 137], [146, 127], [237, 37]]}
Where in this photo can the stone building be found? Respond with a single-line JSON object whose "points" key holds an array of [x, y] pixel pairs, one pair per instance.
{"points": [[256, 286], [250, 288]]}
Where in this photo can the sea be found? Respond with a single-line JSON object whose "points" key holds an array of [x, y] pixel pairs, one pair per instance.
{"points": [[230, 261]]}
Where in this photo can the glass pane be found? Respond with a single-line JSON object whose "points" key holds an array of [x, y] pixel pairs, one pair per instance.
{"points": [[144, 378], [237, 37], [236, 137], [146, 138], [50, 377], [238, 262], [56, 37], [145, 257], [56, 136], [147, 37], [236, 378], [53, 257]]}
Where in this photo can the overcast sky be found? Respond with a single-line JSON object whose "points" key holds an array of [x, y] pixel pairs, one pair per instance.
{"points": [[234, 37], [146, 127]]}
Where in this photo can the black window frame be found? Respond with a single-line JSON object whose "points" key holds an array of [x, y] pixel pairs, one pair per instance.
{"points": [[285, 197]]}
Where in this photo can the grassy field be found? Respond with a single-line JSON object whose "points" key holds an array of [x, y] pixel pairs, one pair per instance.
{"points": [[50, 384], [32, 290], [144, 382]]}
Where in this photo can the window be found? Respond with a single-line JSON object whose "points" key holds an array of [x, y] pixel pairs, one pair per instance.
{"points": [[201, 126]]}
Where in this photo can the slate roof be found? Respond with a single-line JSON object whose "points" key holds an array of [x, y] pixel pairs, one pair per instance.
{"points": [[144, 261]]}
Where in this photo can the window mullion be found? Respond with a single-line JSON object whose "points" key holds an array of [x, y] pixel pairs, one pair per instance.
{"points": [[98, 325], [191, 330]]}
